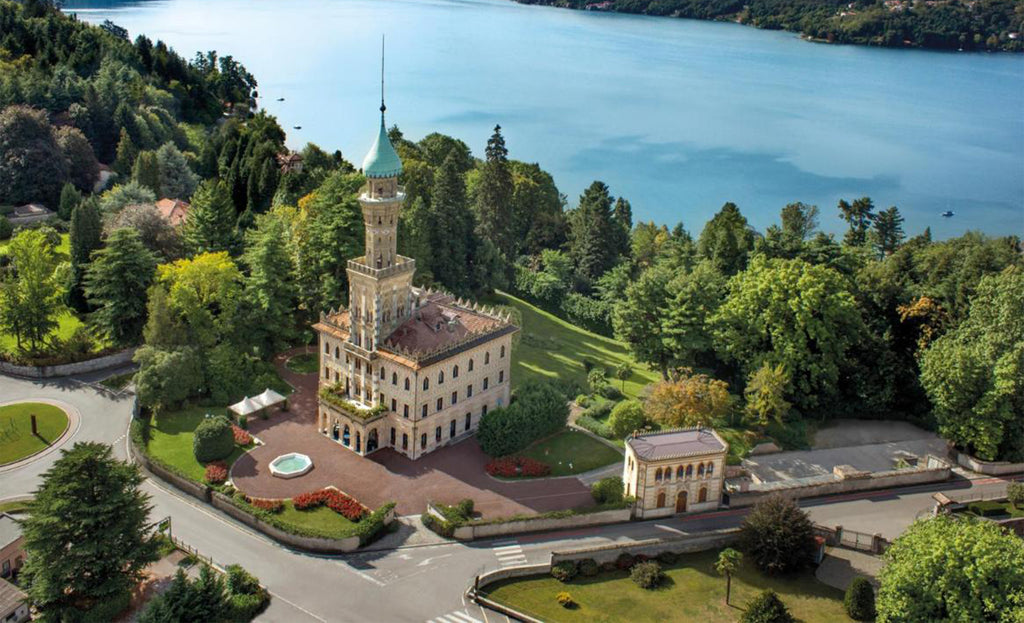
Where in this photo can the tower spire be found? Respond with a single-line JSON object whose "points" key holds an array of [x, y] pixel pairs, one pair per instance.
{"points": [[382, 106]]}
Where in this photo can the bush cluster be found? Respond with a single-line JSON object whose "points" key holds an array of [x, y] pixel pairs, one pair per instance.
{"points": [[270, 506], [213, 439], [608, 490], [589, 567], [859, 600], [242, 436], [564, 571], [373, 525], [625, 561], [1015, 494], [610, 392], [539, 410], [766, 607], [517, 466], [335, 500], [600, 429], [646, 574], [216, 473]]}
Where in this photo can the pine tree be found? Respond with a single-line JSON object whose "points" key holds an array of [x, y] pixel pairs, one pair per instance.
{"points": [[859, 216], [451, 228], [85, 237], [622, 222], [175, 177], [86, 536], [127, 152], [146, 171], [69, 198], [888, 231], [494, 198], [727, 240], [270, 286], [116, 284], [592, 233], [210, 226]]}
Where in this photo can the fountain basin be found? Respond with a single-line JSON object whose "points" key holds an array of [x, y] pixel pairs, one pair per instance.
{"points": [[291, 465]]}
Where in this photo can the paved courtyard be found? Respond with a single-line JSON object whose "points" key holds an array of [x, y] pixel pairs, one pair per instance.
{"points": [[446, 475], [866, 445]]}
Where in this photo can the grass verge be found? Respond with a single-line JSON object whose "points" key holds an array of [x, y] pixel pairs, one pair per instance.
{"points": [[16, 438]]}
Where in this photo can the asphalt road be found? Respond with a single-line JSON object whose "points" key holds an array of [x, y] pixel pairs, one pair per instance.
{"points": [[422, 583]]}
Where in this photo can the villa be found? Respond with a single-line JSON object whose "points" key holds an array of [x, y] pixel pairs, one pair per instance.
{"points": [[675, 471], [404, 367]]}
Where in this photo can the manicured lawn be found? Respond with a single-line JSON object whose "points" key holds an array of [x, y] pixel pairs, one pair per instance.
{"points": [[16, 438], [692, 591], [583, 452], [170, 440], [322, 519], [994, 508], [306, 363], [551, 348], [67, 323]]}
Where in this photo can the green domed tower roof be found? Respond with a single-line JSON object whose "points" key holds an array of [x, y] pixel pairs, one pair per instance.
{"points": [[382, 160]]}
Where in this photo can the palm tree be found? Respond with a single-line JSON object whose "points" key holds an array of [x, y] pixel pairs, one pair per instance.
{"points": [[727, 564], [623, 372]]}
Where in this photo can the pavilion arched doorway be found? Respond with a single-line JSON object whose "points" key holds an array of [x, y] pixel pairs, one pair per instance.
{"points": [[335, 431], [681, 502], [371, 441]]}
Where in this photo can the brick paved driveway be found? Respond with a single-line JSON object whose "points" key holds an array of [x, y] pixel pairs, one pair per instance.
{"points": [[446, 475]]}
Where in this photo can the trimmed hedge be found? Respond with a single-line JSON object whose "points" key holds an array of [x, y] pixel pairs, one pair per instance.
{"points": [[540, 409], [564, 571], [214, 439], [601, 429]]}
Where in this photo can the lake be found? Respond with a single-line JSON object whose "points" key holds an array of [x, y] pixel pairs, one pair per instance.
{"points": [[678, 116]]}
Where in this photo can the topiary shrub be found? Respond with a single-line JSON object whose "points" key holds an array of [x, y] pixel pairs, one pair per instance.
{"points": [[589, 567], [214, 439], [646, 574], [766, 607], [668, 558], [565, 599], [1015, 494], [564, 571], [608, 490], [860, 600], [625, 561]]}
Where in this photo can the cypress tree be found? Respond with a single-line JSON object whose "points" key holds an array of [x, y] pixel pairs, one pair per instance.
{"points": [[69, 198], [146, 171], [127, 152], [85, 237]]}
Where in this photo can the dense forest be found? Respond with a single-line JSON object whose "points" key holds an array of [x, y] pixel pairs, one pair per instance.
{"points": [[937, 24], [782, 327]]}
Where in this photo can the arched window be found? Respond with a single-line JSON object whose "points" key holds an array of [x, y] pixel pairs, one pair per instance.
{"points": [[405, 441], [382, 373], [710, 470], [455, 372], [406, 383], [345, 435], [502, 352], [668, 473], [440, 377], [470, 365], [657, 475], [337, 352], [661, 499], [689, 471], [703, 495], [487, 358], [679, 472], [394, 378], [426, 384], [700, 471]]}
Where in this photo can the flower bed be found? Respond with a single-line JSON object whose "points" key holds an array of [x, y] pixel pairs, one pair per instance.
{"points": [[517, 466], [271, 506], [335, 500], [216, 473], [242, 436]]}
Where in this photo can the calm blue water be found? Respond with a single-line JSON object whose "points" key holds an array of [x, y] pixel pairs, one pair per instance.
{"points": [[678, 116]]}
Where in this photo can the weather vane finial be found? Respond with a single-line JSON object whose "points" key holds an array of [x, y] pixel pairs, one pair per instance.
{"points": [[382, 106]]}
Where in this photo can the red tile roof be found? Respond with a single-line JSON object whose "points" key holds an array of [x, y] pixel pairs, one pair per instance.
{"points": [[676, 443], [174, 211], [438, 322]]}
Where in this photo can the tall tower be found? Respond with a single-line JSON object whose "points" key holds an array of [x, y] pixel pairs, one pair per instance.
{"points": [[380, 282]]}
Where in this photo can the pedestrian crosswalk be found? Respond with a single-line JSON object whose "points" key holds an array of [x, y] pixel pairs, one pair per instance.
{"points": [[509, 553], [458, 616]]}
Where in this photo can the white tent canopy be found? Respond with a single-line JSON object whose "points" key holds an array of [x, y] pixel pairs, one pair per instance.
{"points": [[269, 398], [248, 406]]}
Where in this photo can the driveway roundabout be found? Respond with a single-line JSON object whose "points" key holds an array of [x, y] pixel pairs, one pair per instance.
{"points": [[30, 429]]}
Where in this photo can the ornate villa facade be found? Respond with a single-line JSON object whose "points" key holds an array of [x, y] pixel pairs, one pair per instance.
{"points": [[404, 367], [675, 471]]}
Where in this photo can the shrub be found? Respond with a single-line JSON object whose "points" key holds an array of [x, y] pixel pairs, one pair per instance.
{"points": [[335, 500], [598, 428], [565, 599], [271, 506], [438, 526], [625, 561], [213, 439], [243, 421], [516, 466], [778, 536], [596, 379], [599, 411], [465, 508], [589, 567], [216, 472], [564, 571], [6, 229], [860, 600], [373, 525], [582, 401], [608, 566], [646, 574], [766, 607], [610, 392], [1015, 493], [242, 436], [607, 490], [246, 607], [667, 557], [540, 409], [987, 509], [626, 417], [241, 581]]}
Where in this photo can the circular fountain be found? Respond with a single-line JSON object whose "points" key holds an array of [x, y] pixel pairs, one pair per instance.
{"points": [[291, 465]]}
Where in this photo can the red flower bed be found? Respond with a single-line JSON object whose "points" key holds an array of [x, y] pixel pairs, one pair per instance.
{"points": [[242, 436], [517, 466], [334, 500], [272, 506], [216, 472]]}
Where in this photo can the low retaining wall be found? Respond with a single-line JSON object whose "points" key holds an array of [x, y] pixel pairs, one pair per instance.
{"points": [[114, 360], [503, 574], [937, 470], [684, 544], [991, 468], [519, 526]]}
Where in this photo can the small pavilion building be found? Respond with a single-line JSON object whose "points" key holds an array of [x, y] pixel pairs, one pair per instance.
{"points": [[675, 471]]}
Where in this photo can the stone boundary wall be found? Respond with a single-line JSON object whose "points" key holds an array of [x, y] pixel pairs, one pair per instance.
{"points": [[991, 468], [519, 526], [503, 574], [114, 360], [936, 470], [684, 544]]}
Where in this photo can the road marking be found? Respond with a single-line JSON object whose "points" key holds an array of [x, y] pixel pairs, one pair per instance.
{"points": [[509, 553], [427, 561], [456, 616]]}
